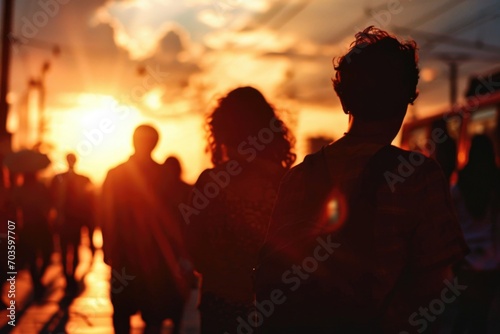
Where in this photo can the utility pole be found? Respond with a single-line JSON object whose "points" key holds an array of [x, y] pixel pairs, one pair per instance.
{"points": [[5, 137], [40, 85], [453, 66], [453, 61]]}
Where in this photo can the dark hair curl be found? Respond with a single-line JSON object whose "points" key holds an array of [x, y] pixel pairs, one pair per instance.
{"points": [[242, 114], [377, 74]]}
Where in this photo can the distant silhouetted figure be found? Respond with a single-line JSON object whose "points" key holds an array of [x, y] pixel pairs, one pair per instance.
{"points": [[73, 200], [362, 233], [177, 191], [142, 241], [173, 174], [6, 213], [445, 152], [32, 202], [477, 199], [231, 204]]}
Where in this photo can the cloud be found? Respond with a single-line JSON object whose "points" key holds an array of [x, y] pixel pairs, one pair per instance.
{"points": [[229, 13], [106, 44], [139, 25], [177, 57], [307, 78], [86, 51]]}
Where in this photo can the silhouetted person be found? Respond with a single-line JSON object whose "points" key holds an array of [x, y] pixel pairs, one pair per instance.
{"points": [[477, 199], [365, 231], [177, 191], [445, 152], [32, 202], [72, 196], [5, 215], [142, 241], [173, 174], [232, 202]]}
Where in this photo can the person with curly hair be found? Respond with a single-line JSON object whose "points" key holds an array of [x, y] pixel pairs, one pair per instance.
{"points": [[362, 233], [251, 150]]}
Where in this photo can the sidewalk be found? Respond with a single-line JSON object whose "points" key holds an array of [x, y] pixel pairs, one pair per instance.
{"points": [[89, 313]]}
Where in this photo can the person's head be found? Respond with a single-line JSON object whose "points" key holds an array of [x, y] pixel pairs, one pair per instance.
{"points": [[71, 160], [377, 78], [241, 115], [145, 140], [441, 125], [481, 152], [173, 167]]}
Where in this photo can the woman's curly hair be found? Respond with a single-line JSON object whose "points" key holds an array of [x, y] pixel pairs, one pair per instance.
{"points": [[242, 114]]}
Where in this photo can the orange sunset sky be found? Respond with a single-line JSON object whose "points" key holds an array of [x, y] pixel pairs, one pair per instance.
{"points": [[116, 64]]}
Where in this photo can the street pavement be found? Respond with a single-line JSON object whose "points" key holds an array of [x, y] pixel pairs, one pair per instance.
{"points": [[89, 313]]}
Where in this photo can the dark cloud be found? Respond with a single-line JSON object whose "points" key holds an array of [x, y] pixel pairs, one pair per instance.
{"points": [[173, 57], [171, 44]]}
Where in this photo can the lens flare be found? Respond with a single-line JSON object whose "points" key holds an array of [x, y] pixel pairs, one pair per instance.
{"points": [[334, 211]]}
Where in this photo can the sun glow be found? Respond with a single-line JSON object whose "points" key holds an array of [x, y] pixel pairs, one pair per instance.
{"points": [[99, 129], [153, 99]]}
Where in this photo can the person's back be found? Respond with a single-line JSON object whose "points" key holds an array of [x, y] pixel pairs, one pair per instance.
{"points": [[73, 201], [136, 205], [142, 241], [32, 204], [176, 187], [386, 248], [232, 202], [477, 199], [176, 190], [33, 200], [72, 197], [232, 229]]}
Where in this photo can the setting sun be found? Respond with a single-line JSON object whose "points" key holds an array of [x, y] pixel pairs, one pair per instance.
{"points": [[99, 129]]}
